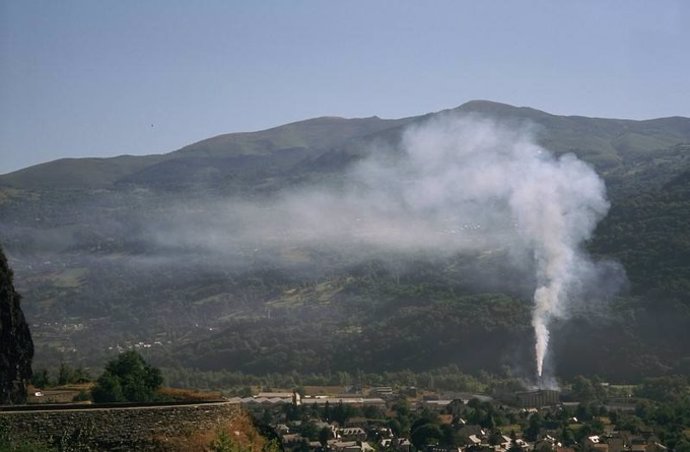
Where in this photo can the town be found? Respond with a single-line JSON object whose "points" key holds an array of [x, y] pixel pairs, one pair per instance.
{"points": [[407, 419]]}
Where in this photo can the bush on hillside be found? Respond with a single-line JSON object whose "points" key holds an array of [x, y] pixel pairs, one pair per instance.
{"points": [[128, 378]]}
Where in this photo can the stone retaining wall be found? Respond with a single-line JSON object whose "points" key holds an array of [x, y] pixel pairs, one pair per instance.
{"points": [[141, 428]]}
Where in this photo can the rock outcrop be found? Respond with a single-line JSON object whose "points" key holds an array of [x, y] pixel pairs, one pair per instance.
{"points": [[16, 346]]}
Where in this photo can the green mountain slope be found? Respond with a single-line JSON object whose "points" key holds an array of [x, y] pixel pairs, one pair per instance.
{"points": [[76, 174], [87, 239], [605, 143], [194, 162], [608, 144]]}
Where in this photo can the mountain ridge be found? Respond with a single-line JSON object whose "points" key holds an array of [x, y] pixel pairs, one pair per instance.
{"points": [[316, 136], [99, 265]]}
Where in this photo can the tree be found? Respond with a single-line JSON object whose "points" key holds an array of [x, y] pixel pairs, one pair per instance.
{"points": [[683, 446], [567, 436], [583, 389], [662, 389], [80, 375], [515, 447], [531, 433], [452, 437], [341, 413], [373, 412], [324, 436], [108, 389], [327, 412], [495, 438], [127, 378], [309, 430], [65, 374], [425, 434], [267, 417], [41, 379], [395, 426]]}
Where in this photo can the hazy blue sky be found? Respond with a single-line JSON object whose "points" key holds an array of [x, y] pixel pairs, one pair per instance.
{"points": [[102, 78]]}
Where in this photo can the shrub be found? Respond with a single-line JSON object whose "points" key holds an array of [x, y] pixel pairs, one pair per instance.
{"points": [[128, 378]]}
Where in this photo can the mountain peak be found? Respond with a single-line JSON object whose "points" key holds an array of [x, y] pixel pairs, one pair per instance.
{"points": [[497, 108]]}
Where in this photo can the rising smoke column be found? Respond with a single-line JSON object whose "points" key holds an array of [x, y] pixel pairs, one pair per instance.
{"points": [[555, 202], [557, 208], [455, 184]]}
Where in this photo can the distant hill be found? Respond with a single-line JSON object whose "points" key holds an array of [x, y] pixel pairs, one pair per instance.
{"points": [[605, 143], [217, 156], [608, 144], [87, 238]]}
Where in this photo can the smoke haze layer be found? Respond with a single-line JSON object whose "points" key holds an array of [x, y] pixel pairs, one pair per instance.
{"points": [[455, 184]]}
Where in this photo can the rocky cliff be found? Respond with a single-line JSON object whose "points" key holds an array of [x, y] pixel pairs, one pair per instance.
{"points": [[16, 346]]}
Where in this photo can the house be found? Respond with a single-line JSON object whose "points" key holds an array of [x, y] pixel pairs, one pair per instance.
{"points": [[355, 401], [522, 444], [271, 395], [444, 449], [383, 391], [402, 445], [506, 442], [350, 446], [474, 440], [382, 432], [292, 438], [282, 429], [616, 444], [472, 429], [352, 434], [436, 405], [595, 442]]}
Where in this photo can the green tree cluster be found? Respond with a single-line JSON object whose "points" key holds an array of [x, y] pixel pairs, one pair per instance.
{"points": [[128, 378], [65, 375]]}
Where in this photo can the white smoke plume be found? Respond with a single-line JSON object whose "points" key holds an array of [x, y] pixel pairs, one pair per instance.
{"points": [[456, 183], [555, 203]]}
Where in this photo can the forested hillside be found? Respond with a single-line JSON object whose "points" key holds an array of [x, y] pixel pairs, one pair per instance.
{"points": [[98, 256]]}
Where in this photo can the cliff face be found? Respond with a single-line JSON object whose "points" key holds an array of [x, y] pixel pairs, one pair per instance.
{"points": [[16, 346]]}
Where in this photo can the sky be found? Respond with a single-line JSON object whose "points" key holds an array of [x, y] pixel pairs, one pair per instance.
{"points": [[96, 78]]}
